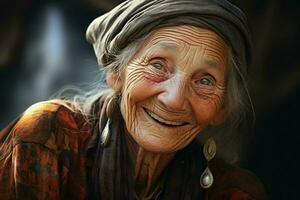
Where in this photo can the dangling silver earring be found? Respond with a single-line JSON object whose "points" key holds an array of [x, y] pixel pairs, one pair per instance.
{"points": [[111, 107], [105, 134], [209, 151]]}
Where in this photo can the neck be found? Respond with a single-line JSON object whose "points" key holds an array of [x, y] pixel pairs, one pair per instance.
{"points": [[148, 165]]}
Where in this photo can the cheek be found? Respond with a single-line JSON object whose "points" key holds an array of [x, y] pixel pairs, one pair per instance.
{"points": [[138, 87], [206, 109]]}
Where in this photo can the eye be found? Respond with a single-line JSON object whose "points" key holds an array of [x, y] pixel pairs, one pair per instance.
{"points": [[158, 64], [206, 80]]}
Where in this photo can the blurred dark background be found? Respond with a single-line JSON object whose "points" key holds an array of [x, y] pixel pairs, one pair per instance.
{"points": [[43, 47]]}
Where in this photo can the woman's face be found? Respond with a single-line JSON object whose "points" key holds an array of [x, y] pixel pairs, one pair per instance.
{"points": [[174, 87]]}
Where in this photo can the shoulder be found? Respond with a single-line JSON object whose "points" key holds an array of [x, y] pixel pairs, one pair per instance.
{"points": [[42, 121], [232, 182], [42, 149]]}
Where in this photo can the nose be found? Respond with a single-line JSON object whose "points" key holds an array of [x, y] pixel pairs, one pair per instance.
{"points": [[174, 94]]}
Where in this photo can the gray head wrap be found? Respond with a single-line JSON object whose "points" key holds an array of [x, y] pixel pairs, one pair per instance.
{"points": [[131, 20]]}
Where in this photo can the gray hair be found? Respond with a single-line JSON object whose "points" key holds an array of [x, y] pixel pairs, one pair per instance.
{"points": [[82, 99], [231, 136]]}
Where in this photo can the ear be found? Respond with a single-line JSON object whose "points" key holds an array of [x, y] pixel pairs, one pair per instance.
{"points": [[114, 80], [220, 117]]}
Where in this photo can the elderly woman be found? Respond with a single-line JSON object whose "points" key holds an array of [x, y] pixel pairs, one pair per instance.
{"points": [[174, 70]]}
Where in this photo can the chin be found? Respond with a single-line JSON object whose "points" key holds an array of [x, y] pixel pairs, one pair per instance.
{"points": [[157, 145]]}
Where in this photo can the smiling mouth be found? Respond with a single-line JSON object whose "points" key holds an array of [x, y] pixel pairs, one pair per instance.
{"points": [[163, 121]]}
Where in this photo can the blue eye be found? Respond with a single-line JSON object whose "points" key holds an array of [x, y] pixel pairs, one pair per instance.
{"points": [[157, 65], [207, 80]]}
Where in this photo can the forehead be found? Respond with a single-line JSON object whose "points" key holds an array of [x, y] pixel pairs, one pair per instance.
{"points": [[178, 38], [189, 34]]}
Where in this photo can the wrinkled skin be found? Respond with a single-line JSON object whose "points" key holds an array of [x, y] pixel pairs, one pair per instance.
{"points": [[171, 90]]}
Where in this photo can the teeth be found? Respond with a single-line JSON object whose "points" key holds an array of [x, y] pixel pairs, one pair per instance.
{"points": [[165, 121]]}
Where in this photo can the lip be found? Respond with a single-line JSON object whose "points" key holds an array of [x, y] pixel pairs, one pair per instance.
{"points": [[163, 121]]}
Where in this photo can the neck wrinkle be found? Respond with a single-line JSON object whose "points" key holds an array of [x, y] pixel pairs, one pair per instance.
{"points": [[148, 166]]}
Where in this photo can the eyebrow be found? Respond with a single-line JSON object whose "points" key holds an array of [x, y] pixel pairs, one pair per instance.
{"points": [[213, 64], [173, 47], [165, 45]]}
